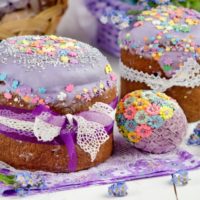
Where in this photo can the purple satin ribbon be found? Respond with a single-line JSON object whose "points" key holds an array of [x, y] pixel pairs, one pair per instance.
{"points": [[68, 132]]}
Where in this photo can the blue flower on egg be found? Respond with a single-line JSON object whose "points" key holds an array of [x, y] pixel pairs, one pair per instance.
{"points": [[155, 121], [130, 125]]}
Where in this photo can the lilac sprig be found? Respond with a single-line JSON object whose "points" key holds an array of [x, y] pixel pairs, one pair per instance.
{"points": [[22, 183], [195, 136], [116, 17]]}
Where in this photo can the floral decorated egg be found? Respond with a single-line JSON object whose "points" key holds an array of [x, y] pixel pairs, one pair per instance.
{"points": [[151, 121]]}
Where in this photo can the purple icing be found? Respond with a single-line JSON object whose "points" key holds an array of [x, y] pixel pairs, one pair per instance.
{"points": [[161, 34], [51, 63]]}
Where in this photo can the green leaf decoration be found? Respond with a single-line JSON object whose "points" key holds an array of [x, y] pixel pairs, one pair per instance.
{"points": [[7, 179], [167, 68], [134, 12]]}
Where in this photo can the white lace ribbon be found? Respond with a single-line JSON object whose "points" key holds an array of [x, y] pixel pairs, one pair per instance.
{"points": [[103, 108], [188, 76]]}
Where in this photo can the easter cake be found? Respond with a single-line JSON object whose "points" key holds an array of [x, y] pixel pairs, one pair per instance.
{"points": [[161, 51], [57, 97]]}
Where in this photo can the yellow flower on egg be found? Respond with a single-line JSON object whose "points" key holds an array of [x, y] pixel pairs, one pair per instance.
{"points": [[120, 107], [108, 69], [123, 131], [141, 104], [163, 96], [137, 93], [166, 112], [134, 137]]}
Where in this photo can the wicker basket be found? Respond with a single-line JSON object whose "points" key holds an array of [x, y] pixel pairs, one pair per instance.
{"points": [[41, 22], [107, 34]]}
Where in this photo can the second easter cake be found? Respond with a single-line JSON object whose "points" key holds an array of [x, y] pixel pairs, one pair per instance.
{"points": [[162, 52]]}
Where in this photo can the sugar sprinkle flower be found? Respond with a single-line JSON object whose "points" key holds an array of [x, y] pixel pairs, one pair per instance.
{"points": [[69, 88]]}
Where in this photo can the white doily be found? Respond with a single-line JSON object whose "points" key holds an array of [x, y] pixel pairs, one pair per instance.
{"points": [[17, 124], [90, 136], [44, 131], [103, 108], [188, 76]]}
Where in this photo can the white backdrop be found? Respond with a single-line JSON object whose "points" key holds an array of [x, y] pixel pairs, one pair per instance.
{"points": [[78, 23]]}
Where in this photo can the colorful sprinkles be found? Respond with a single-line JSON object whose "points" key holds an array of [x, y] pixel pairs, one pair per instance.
{"points": [[170, 34], [38, 53], [142, 111]]}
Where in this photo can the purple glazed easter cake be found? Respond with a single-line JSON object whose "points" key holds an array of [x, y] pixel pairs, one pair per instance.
{"points": [[57, 98], [161, 51]]}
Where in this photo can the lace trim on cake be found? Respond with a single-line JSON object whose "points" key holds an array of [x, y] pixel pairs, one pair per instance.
{"points": [[44, 131], [90, 136], [187, 76], [17, 124], [103, 108]]}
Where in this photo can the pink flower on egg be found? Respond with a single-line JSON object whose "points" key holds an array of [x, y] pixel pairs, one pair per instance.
{"points": [[69, 88], [143, 130], [153, 109], [130, 113]]}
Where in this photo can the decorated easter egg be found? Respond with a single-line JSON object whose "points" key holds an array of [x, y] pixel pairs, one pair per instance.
{"points": [[151, 121]]}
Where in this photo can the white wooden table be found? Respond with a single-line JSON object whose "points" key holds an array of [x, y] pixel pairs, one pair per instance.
{"points": [[145, 189]]}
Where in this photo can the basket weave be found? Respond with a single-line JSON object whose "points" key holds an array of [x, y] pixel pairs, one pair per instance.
{"points": [[44, 22], [107, 34]]}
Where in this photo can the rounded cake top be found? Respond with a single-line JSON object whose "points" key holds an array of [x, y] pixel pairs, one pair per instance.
{"points": [[168, 34], [142, 112], [51, 68]]}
